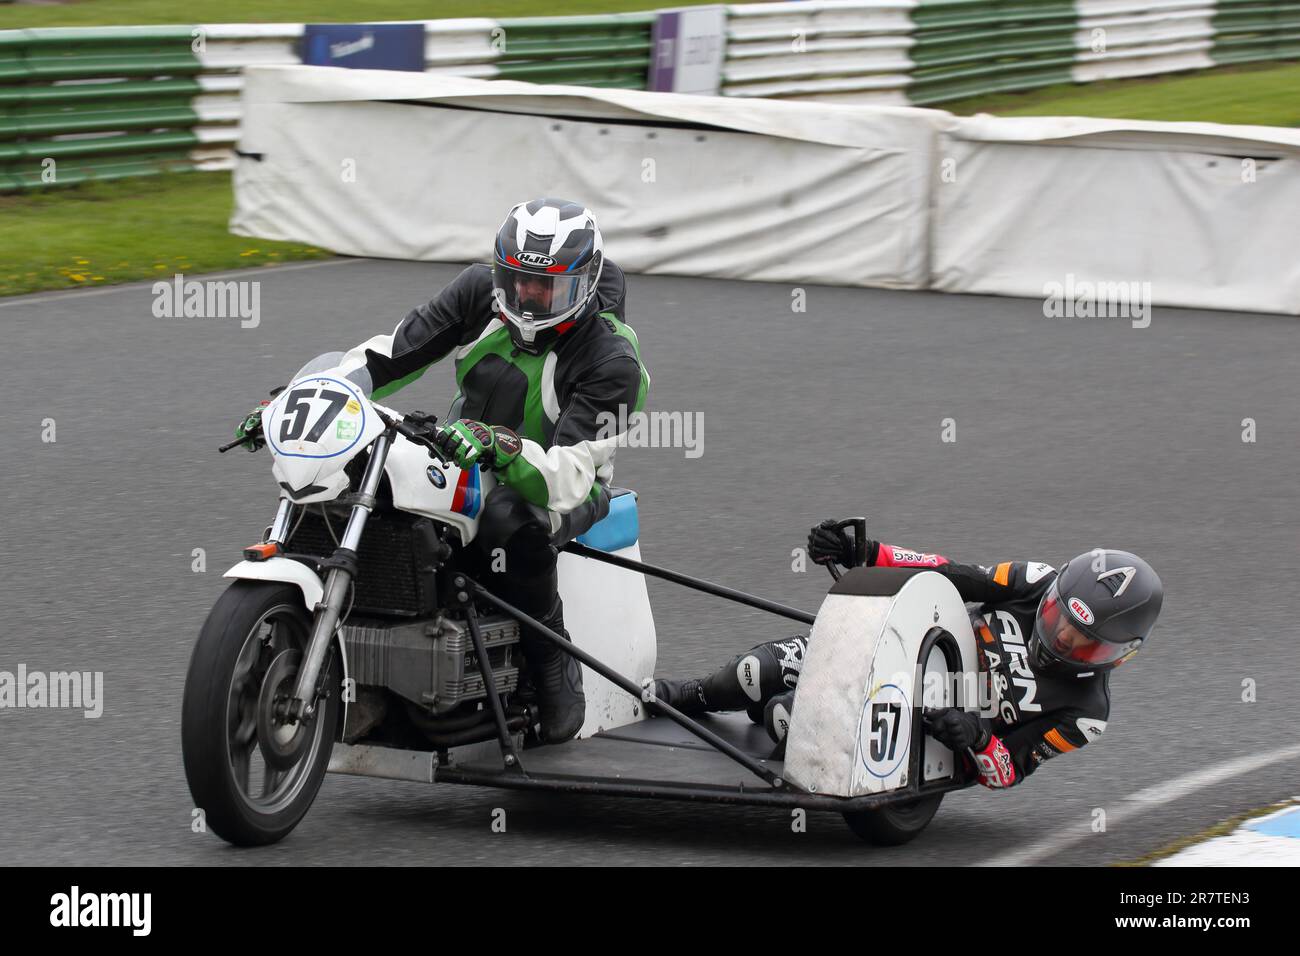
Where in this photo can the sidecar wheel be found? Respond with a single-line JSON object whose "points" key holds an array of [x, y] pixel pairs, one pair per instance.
{"points": [[253, 775], [896, 824]]}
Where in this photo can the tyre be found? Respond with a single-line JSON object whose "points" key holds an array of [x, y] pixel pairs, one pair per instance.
{"points": [[894, 824], [253, 775]]}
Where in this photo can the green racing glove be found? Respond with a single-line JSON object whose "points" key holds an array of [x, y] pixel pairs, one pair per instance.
{"points": [[470, 443], [249, 431]]}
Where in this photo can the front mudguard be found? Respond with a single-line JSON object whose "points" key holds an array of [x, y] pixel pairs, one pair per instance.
{"points": [[288, 571]]}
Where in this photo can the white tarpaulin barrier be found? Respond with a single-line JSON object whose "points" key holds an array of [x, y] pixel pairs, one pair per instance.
{"points": [[420, 166], [1208, 215]]}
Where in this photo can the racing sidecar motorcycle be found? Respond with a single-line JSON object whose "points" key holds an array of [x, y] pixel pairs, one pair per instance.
{"points": [[353, 640]]}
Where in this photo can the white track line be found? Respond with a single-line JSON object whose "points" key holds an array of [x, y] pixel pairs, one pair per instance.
{"points": [[136, 284], [1144, 800]]}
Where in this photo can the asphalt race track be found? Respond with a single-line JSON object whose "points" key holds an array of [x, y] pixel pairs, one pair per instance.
{"points": [[1071, 434]]}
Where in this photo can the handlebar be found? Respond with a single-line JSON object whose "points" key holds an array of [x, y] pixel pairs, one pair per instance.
{"points": [[859, 543], [414, 426]]}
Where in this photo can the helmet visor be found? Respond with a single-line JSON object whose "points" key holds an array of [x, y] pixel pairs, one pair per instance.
{"points": [[1062, 634], [539, 296]]}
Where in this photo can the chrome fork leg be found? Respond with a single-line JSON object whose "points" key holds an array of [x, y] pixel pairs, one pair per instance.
{"points": [[337, 583]]}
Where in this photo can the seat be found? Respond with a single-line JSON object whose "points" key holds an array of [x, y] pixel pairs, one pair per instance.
{"points": [[620, 528]]}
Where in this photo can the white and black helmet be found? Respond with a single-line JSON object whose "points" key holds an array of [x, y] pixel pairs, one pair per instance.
{"points": [[545, 267], [1097, 613]]}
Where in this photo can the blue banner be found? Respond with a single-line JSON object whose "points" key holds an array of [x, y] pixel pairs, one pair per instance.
{"points": [[365, 46]]}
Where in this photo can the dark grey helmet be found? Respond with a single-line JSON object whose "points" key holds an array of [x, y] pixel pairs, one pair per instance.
{"points": [[1097, 613]]}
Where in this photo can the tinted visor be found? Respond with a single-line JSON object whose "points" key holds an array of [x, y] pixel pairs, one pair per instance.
{"points": [[1064, 638], [540, 295]]}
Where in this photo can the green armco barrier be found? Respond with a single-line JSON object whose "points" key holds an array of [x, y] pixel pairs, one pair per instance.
{"points": [[601, 51], [181, 90], [69, 173], [62, 89], [973, 47], [553, 71], [607, 23], [947, 14], [95, 120], [1248, 30], [126, 143]]}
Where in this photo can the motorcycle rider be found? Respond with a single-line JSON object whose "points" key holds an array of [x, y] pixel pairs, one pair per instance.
{"points": [[1047, 643], [541, 356]]}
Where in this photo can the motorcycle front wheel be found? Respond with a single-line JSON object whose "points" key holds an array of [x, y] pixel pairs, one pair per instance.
{"points": [[252, 774]]}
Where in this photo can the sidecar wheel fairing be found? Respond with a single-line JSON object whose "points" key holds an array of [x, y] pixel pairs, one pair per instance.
{"points": [[856, 724]]}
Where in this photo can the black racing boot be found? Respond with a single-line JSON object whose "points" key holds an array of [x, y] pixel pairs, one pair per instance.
{"points": [[557, 678], [686, 696], [776, 720], [776, 716]]}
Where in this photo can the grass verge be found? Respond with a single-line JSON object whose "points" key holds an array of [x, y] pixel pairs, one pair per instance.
{"points": [[1262, 94], [99, 13], [103, 233]]}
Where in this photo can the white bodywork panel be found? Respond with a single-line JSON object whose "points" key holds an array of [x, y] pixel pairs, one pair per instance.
{"points": [[852, 728], [409, 472], [607, 614], [282, 569]]}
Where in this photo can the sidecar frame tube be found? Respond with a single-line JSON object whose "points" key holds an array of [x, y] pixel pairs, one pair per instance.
{"points": [[787, 797]]}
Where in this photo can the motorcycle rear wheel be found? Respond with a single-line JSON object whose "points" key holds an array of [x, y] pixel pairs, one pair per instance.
{"points": [[254, 776]]}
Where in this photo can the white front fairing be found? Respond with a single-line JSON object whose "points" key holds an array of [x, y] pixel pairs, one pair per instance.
{"points": [[313, 429], [322, 421]]}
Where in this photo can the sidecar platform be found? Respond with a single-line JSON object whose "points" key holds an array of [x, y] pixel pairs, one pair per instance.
{"points": [[657, 759], [654, 751]]}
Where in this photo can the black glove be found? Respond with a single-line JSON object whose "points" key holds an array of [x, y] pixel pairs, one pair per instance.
{"points": [[956, 729], [827, 543]]}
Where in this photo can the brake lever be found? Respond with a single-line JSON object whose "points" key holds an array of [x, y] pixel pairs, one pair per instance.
{"points": [[415, 426]]}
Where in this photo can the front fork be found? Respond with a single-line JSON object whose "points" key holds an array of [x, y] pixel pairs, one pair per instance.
{"points": [[342, 568]]}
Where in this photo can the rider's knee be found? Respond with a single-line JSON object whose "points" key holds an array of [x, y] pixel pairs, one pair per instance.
{"points": [[511, 524]]}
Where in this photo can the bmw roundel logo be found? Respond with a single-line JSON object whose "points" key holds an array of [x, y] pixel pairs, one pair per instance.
{"points": [[437, 477]]}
